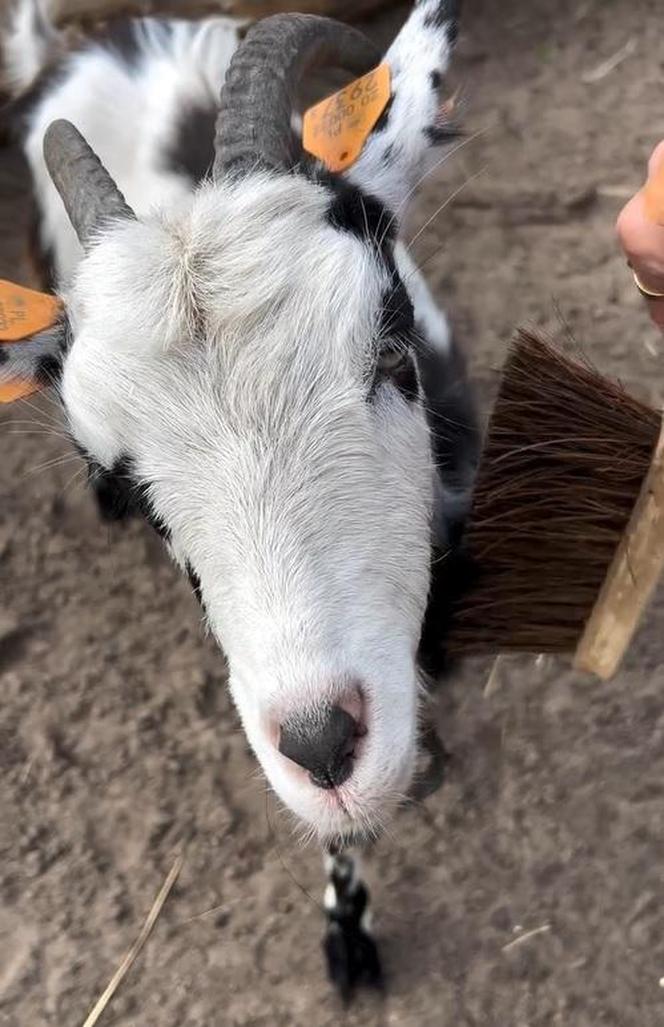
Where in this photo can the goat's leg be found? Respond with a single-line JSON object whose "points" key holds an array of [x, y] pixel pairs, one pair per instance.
{"points": [[415, 123], [350, 951]]}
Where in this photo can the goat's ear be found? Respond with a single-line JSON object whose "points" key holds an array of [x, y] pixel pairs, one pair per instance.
{"points": [[33, 341], [418, 119]]}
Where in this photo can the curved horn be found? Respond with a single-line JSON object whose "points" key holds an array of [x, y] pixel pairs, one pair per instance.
{"points": [[254, 120], [88, 192]]}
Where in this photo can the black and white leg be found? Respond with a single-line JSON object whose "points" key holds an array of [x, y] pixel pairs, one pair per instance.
{"points": [[416, 121], [350, 951]]}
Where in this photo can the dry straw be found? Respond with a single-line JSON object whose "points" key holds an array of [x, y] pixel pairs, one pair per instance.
{"points": [[133, 953]]}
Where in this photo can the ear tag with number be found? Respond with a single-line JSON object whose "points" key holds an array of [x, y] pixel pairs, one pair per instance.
{"points": [[336, 129], [23, 314]]}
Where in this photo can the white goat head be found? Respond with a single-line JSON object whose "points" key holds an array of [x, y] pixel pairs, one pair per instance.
{"points": [[247, 367]]}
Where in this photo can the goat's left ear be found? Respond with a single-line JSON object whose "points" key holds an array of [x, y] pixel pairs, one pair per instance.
{"points": [[417, 120], [33, 341]]}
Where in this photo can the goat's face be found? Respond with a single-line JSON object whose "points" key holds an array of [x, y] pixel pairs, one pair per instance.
{"points": [[247, 363]]}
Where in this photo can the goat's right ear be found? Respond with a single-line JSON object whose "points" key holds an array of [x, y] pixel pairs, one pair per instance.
{"points": [[33, 340], [420, 115]]}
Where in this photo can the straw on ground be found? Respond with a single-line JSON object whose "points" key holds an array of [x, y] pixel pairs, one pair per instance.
{"points": [[115, 981], [526, 937]]}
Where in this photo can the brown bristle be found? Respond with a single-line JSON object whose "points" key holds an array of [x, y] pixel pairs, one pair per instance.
{"points": [[564, 460]]}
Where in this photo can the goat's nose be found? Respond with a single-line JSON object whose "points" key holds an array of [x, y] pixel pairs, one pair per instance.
{"points": [[323, 743]]}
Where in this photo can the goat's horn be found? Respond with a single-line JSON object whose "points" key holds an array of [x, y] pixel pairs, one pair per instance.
{"points": [[88, 192], [254, 120]]}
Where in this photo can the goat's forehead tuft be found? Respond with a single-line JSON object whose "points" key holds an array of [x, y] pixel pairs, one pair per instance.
{"points": [[134, 285], [269, 254], [284, 245]]}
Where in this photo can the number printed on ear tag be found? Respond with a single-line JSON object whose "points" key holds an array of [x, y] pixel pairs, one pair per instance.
{"points": [[336, 129], [24, 312]]}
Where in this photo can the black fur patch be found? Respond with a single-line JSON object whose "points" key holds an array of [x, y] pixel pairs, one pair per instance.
{"points": [[155, 522], [453, 574], [112, 489], [447, 10], [395, 330], [403, 376], [455, 439], [396, 316], [192, 151], [121, 39], [359, 213], [352, 959], [119, 496], [450, 412], [440, 134], [350, 952], [49, 369], [405, 379], [436, 79], [195, 583]]}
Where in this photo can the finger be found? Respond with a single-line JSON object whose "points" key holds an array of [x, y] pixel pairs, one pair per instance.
{"points": [[656, 311], [653, 190], [656, 160], [643, 243]]}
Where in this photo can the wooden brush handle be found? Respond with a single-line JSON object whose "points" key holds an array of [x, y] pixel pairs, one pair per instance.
{"points": [[631, 579]]}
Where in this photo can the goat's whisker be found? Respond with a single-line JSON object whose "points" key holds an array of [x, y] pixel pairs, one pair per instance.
{"points": [[446, 203], [429, 171]]}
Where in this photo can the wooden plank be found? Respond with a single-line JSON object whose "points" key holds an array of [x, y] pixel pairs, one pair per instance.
{"points": [[631, 579]]}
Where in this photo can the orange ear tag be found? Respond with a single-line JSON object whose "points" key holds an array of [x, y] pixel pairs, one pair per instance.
{"points": [[23, 313], [336, 129], [17, 389]]}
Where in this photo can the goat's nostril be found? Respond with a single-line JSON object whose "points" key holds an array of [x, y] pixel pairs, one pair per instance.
{"points": [[322, 742]]}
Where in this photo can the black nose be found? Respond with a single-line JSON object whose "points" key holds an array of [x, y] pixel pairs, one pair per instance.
{"points": [[322, 742]]}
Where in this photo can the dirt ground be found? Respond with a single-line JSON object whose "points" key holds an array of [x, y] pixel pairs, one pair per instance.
{"points": [[529, 891]]}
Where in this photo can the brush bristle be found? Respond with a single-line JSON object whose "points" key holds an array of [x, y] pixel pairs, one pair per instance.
{"points": [[564, 460]]}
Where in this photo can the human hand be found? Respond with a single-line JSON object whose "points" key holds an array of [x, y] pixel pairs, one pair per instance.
{"points": [[640, 229]]}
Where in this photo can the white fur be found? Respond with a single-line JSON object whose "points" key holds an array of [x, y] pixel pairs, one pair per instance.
{"points": [[225, 341], [128, 116], [417, 51], [29, 44], [303, 508]]}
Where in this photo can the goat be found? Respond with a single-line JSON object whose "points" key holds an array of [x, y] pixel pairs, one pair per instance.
{"points": [[249, 359]]}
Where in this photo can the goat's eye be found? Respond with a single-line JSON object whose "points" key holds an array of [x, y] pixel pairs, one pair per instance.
{"points": [[391, 361], [396, 366]]}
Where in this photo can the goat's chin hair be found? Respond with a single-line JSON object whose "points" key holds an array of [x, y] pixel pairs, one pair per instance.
{"points": [[365, 829]]}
